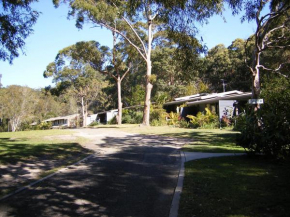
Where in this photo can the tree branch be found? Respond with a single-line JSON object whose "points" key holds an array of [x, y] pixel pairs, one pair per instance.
{"points": [[109, 73], [124, 75], [143, 45], [125, 37]]}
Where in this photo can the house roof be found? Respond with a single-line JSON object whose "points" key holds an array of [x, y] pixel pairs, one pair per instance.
{"points": [[62, 118], [210, 98]]}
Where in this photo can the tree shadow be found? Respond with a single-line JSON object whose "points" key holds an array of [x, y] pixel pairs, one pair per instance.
{"points": [[136, 180], [219, 140], [22, 163]]}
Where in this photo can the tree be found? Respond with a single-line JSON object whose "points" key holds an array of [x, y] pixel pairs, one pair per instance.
{"points": [[17, 104], [125, 19], [16, 21], [227, 64], [75, 70], [115, 72], [272, 33]]}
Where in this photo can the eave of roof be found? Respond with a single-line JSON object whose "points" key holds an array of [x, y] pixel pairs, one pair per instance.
{"points": [[211, 98], [243, 96]]}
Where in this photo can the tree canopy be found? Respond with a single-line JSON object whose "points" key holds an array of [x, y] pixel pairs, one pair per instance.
{"points": [[77, 69], [16, 21], [139, 21]]}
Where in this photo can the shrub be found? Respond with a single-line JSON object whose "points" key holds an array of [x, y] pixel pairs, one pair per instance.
{"points": [[173, 119], [132, 116], [94, 123], [44, 126], [158, 117], [267, 131], [206, 121]]}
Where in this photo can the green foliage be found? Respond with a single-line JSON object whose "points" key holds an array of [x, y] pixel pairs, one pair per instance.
{"points": [[131, 116], [16, 21], [267, 131], [227, 63], [158, 116], [173, 119], [44, 126], [205, 121], [94, 123]]}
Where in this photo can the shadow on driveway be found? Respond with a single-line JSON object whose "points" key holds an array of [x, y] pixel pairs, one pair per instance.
{"points": [[137, 179]]}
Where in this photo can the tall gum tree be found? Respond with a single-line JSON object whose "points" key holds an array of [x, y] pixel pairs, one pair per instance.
{"points": [[124, 17], [272, 33]]}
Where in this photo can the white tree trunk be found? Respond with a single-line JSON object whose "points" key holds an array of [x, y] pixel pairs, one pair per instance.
{"points": [[149, 86], [84, 112], [120, 104]]}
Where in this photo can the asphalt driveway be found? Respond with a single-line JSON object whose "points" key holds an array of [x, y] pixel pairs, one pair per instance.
{"points": [[129, 175]]}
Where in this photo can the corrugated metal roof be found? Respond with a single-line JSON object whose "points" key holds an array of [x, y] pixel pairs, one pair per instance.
{"points": [[214, 97]]}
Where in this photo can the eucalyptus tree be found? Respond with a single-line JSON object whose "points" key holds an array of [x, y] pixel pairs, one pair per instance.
{"points": [[16, 21], [124, 18], [77, 68], [227, 64], [118, 71], [17, 103], [272, 33]]}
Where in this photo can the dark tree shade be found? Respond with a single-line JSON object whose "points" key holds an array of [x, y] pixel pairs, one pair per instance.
{"points": [[16, 21]]}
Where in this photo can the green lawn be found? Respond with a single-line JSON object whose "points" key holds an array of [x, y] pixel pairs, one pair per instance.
{"points": [[235, 187], [48, 144], [202, 140]]}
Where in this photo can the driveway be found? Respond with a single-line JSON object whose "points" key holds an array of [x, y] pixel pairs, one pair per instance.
{"points": [[129, 175]]}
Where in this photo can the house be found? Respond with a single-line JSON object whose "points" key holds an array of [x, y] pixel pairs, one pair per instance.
{"points": [[69, 121], [106, 116], [223, 104]]}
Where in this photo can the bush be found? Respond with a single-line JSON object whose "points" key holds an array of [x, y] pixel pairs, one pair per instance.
{"points": [[158, 117], [94, 123], [205, 121], [44, 126], [267, 131], [173, 119], [132, 116]]}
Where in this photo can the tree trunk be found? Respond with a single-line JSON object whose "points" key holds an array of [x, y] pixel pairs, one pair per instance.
{"points": [[149, 86], [14, 124], [256, 85], [120, 104], [83, 112]]}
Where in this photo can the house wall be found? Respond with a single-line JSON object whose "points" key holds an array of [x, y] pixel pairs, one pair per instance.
{"points": [[91, 118]]}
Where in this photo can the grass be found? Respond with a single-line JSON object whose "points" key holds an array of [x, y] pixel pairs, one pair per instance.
{"points": [[59, 146], [203, 140], [235, 187], [30, 145]]}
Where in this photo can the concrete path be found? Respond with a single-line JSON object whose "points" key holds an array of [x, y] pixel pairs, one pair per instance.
{"points": [[129, 175]]}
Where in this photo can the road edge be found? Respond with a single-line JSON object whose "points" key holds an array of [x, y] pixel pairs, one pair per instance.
{"points": [[177, 193], [42, 179]]}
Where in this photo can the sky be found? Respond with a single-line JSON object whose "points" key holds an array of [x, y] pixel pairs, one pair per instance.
{"points": [[53, 32]]}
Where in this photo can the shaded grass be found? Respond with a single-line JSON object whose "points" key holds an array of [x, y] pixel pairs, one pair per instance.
{"points": [[235, 186], [202, 140], [59, 147]]}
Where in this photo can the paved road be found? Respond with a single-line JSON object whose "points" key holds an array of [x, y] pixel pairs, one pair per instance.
{"points": [[129, 175]]}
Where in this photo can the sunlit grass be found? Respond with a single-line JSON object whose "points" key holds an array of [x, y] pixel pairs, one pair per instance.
{"points": [[201, 140], [235, 186]]}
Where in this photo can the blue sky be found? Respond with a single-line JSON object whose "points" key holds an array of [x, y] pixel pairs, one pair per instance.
{"points": [[53, 32]]}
